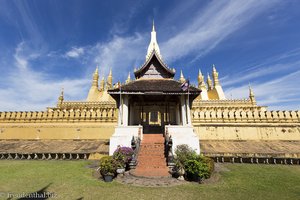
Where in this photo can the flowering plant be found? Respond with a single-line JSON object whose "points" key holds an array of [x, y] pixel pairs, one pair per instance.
{"points": [[107, 166], [123, 155]]}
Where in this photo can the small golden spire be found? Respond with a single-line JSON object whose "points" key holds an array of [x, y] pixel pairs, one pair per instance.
{"points": [[95, 78], [215, 75], [214, 68], [200, 76], [109, 80], [102, 84], [61, 97], [181, 79], [128, 78], [201, 83], [209, 82], [251, 95]]}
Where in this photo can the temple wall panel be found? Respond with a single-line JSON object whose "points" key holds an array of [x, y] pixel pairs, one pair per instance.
{"points": [[210, 131], [31, 131], [249, 125], [79, 124]]}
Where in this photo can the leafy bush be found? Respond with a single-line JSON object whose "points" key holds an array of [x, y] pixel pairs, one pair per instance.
{"points": [[209, 162], [108, 166], [183, 153], [196, 167], [123, 155]]}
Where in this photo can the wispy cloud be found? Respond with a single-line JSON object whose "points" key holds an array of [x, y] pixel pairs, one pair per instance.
{"points": [[121, 54], [22, 56], [27, 25], [274, 93], [32, 90], [278, 91], [20, 61], [75, 52], [261, 72], [211, 26]]}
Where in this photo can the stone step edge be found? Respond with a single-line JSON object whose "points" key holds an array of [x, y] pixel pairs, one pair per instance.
{"points": [[131, 172]]}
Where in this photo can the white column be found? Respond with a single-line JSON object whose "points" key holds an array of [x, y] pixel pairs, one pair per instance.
{"points": [[183, 109], [188, 109], [120, 114], [125, 110]]}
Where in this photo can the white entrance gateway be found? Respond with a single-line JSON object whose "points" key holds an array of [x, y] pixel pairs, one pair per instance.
{"points": [[154, 103]]}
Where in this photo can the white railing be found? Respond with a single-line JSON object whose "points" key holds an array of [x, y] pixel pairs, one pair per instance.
{"points": [[123, 136], [183, 135]]}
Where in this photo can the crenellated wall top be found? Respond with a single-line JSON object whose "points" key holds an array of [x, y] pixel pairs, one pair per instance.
{"points": [[100, 114], [253, 116]]}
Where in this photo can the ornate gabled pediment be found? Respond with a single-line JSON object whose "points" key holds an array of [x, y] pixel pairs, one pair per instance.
{"points": [[154, 67]]}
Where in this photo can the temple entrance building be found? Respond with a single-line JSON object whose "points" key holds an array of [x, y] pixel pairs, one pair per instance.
{"points": [[154, 103]]}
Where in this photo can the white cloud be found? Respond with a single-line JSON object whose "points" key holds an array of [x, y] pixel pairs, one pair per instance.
{"points": [[274, 93], [20, 61], [31, 90], [278, 91], [75, 52], [212, 25], [23, 55], [260, 72], [35, 90], [121, 54]]}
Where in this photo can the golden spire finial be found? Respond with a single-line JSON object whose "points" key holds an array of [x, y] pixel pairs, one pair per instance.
{"points": [[62, 92], [181, 79], [214, 68], [209, 82], [215, 75], [61, 97], [109, 80], [95, 78], [102, 84], [128, 78], [208, 77], [200, 79], [251, 95], [199, 73]]}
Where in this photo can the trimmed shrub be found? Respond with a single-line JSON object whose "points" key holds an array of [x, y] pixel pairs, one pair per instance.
{"points": [[210, 163], [196, 167], [182, 154]]}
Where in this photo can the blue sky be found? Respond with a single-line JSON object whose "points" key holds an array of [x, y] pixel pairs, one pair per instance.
{"points": [[46, 45]]}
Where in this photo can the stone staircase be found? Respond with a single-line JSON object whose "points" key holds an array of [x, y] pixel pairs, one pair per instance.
{"points": [[151, 157]]}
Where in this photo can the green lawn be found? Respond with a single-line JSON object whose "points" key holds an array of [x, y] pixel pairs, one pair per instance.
{"points": [[73, 180]]}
